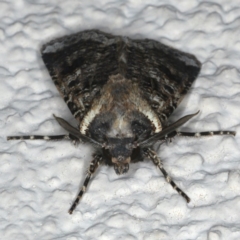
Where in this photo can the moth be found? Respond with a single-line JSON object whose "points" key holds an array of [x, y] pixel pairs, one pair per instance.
{"points": [[122, 92]]}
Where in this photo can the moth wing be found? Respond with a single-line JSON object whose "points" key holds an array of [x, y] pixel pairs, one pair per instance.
{"points": [[80, 65], [164, 73]]}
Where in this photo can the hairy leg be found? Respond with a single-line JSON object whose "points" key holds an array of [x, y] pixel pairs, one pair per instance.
{"points": [[46, 138], [92, 168], [156, 160], [39, 137], [200, 134]]}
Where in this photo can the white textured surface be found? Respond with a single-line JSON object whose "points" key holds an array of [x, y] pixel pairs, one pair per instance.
{"points": [[39, 180]]}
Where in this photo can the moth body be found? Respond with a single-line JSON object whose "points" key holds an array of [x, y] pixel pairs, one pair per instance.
{"points": [[121, 91]]}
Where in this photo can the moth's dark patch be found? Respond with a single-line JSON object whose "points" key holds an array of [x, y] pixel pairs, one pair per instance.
{"points": [[121, 91], [99, 126]]}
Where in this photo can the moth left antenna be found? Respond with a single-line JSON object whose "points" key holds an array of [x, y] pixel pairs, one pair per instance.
{"points": [[75, 132]]}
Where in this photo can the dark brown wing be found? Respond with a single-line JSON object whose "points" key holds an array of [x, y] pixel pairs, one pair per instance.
{"points": [[164, 73], [80, 65]]}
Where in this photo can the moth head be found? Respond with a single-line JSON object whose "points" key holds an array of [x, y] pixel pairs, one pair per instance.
{"points": [[120, 150]]}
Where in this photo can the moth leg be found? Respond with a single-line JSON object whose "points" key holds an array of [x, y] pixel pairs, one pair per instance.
{"points": [[38, 137], [92, 168], [156, 160], [47, 138], [200, 134]]}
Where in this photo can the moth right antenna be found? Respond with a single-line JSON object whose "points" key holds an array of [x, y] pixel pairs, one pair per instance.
{"points": [[150, 141]]}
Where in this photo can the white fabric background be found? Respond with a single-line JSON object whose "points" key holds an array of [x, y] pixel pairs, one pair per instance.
{"points": [[39, 180]]}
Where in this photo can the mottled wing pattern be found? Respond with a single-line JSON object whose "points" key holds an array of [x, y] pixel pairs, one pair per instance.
{"points": [[164, 73], [80, 64]]}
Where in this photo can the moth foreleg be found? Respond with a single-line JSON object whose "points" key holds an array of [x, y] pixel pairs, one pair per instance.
{"points": [[46, 138], [200, 134], [39, 137], [156, 160], [92, 168]]}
